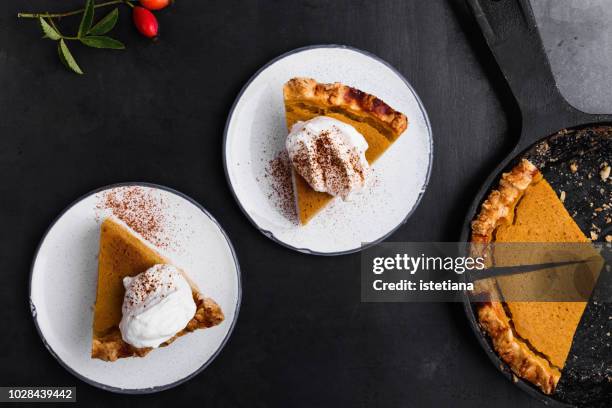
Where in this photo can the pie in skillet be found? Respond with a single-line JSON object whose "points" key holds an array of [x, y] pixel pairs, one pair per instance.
{"points": [[125, 254], [533, 338], [379, 124]]}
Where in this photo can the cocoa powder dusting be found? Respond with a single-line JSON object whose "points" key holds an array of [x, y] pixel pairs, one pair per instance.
{"points": [[328, 159], [278, 171], [141, 210]]}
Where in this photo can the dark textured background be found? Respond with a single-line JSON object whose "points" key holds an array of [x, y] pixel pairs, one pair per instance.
{"points": [[156, 112]]}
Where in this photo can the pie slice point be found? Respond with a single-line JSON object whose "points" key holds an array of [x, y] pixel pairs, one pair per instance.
{"points": [[123, 253], [379, 124]]}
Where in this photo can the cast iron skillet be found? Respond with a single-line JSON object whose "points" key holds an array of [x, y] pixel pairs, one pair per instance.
{"points": [[511, 33]]}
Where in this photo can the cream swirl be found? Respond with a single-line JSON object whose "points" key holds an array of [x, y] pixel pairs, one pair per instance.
{"points": [[329, 155], [158, 303]]}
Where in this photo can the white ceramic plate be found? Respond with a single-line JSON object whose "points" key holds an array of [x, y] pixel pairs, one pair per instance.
{"points": [[63, 291], [255, 134]]}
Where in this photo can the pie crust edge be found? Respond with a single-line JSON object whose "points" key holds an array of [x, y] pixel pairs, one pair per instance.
{"points": [[112, 347], [340, 95], [492, 316]]}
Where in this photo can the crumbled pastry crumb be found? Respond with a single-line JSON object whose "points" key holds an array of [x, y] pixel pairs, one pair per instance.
{"points": [[608, 238], [543, 148], [594, 236], [573, 167], [605, 173], [562, 196]]}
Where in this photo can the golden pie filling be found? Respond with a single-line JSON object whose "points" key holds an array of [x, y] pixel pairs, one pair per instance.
{"points": [[548, 326], [533, 338], [377, 122], [121, 254]]}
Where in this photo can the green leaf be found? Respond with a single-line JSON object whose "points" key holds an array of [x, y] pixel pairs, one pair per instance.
{"points": [[106, 24], [87, 19], [50, 32], [67, 58], [100, 41]]}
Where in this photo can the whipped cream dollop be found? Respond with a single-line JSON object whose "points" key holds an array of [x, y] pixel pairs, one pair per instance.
{"points": [[330, 155], [158, 303]]}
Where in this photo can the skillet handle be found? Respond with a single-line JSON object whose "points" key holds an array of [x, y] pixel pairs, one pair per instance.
{"points": [[512, 35]]}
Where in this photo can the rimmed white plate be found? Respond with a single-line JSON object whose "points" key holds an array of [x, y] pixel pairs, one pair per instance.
{"points": [[63, 291], [255, 134]]}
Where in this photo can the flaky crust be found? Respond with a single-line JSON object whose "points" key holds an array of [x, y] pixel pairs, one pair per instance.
{"points": [[495, 211], [343, 96], [112, 347], [515, 352], [500, 203]]}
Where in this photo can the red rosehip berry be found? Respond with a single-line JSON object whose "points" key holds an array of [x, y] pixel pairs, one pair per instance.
{"points": [[145, 22], [155, 4]]}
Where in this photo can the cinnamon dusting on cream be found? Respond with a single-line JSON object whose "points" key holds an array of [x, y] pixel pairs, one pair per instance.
{"points": [[329, 155]]}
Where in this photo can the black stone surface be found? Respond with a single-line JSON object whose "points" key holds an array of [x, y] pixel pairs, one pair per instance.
{"points": [[156, 112]]}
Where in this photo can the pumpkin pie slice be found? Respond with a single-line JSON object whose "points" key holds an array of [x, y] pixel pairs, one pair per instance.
{"points": [[123, 253], [533, 338], [379, 124]]}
